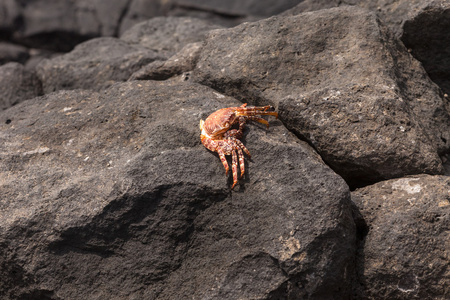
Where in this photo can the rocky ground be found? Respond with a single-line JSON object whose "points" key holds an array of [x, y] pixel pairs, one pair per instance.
{"points": [[107, 192]]}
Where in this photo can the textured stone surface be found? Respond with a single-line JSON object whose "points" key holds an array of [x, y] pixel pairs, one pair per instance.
{"points": [[17, 85], [168, 34], [94, 64], [426, 34], [184, 61], [107, 193], [406, 252], [392, 13], [111, 195], [352, 92]]}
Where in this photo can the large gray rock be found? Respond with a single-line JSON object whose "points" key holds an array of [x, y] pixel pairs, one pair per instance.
{"points": [[353, 92], [98, 63], [95, 64], [406, 252], [427, 35], [17, 84], [183, 61], [227, 13], [111, 195], [168, 34], [60, 25], [392, 13]]}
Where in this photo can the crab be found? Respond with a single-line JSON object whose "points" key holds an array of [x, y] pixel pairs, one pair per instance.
{"points": [[218, 136]]}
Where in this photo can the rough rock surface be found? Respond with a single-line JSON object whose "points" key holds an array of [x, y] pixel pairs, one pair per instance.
{"points": [[426, 34], [107, 193], [227, 13], [184, 61], [352, 92], [98, 63], [17, 84], [95, 64], [168, 34], [406, 252], [119, 199], [392, 13]]}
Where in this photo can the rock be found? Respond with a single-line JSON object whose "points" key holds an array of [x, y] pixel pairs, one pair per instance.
{"points": [[392, 13], [98, 63], [226, 13], [427, 36], [139, 11], [168, 34], [17, 85], [60, 25], [10, 12], [406, 252], [94, 64], [181, 62], [11, 52], [352, 92], [111, 195]]}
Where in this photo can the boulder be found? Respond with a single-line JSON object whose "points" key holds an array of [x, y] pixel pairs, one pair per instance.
{"points": [[95, 64], [181, 62], [353, 92], [168, 34], [60, 25], [226, 13], [427, 36], [98, 63], [17, 84], [406, 252], [392, 13], [111, 195]]}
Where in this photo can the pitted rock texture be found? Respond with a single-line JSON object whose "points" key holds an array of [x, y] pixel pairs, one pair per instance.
{"points": [[119, 199], [107, 192], [405, 254], [353, 92], [427, 37], [95, 64], [17, 85]]}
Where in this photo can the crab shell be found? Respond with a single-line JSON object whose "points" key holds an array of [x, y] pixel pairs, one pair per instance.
{"points": [[218, 136]]}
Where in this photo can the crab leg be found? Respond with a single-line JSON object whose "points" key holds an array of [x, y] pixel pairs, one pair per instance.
{"points": [[241, 161], [259, 120], [257, 110], [240, 145], [234, 168], [223, 159]]}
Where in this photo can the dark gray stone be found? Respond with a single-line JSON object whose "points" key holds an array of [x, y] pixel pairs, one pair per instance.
{"points": [[95, 64], [17, 85], [181, 62], [168, 34], [353, 92], [406, 252], [111, 195], [392, 13], [226, 13], [427, 35]]}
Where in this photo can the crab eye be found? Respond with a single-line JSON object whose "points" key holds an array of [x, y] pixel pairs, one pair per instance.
{"points": [[226, 125]]}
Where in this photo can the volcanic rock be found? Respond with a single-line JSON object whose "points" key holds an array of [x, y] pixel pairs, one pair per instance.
{"points": [[406, 252], [353, 92], [111, 195]]}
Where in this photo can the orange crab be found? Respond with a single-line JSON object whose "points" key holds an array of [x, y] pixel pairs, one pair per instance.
{"points": [[218, 136]]}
